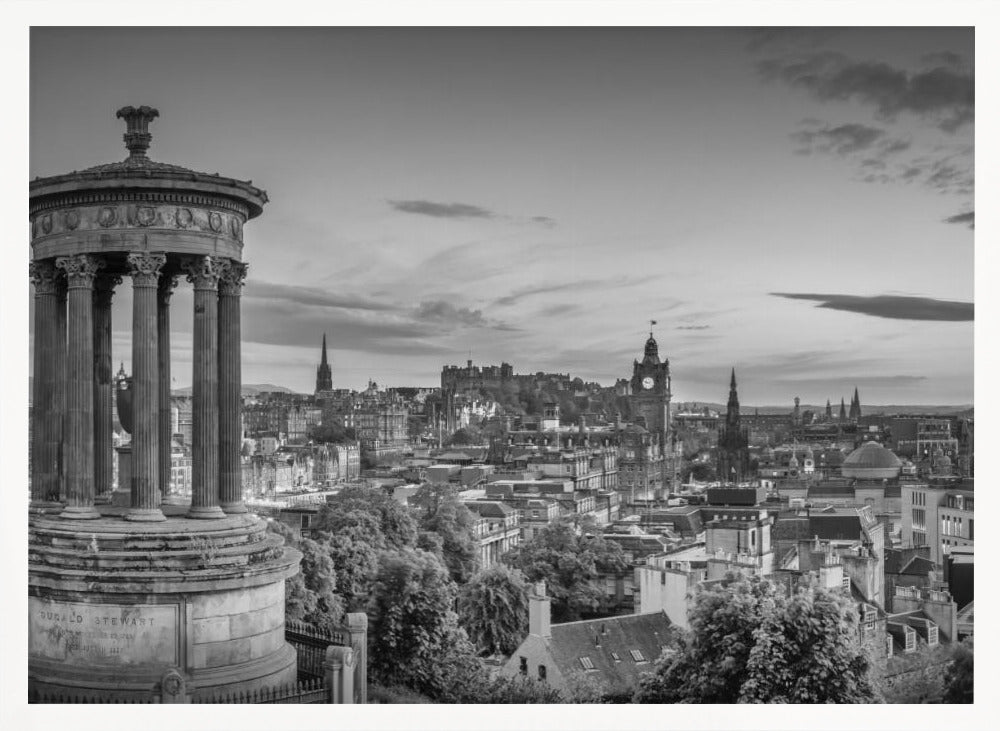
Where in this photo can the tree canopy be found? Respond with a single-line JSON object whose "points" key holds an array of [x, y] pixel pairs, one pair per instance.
{"points": [[572, 562], [393, 525], [414, 639], [958, 676], [453, 522], [332, 433], [750, 643], [493, 610]]}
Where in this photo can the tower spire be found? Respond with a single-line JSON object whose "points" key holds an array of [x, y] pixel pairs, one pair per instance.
{"points": [[324, 375], [732, 381]]}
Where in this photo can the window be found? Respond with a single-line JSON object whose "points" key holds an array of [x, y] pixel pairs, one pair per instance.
{"points": [[637, 655], [614, 656], [587, 663], [542, 672], [524, 665]]}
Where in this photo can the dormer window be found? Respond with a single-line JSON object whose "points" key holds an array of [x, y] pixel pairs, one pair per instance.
{"points": [[587, 663], [637, 655]]}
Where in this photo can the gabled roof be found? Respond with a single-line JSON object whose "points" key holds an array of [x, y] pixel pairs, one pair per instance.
{"points": [[589, 648]]}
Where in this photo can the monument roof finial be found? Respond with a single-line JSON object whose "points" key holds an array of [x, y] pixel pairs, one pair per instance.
{"points": [[137, 136]]}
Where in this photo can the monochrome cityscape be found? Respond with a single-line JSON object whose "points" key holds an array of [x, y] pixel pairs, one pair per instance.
{"points": [[501, 365]]}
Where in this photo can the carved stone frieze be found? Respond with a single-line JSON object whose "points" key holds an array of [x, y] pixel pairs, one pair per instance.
{"points": [[141, 215]]}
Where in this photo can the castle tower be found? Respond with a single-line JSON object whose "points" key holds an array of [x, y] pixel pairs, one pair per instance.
{"points": [[324, 377]]}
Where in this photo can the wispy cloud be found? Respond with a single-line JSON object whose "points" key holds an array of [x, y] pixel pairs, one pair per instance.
{"points": [[891, 306], [692, 327], [461, 211], [942, 94], [966, 218], [445, 313], [311, 296], [583, 284], [845, 139]]}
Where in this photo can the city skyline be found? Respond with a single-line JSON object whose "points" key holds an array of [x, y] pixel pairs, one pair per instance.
{"points": [[793, 203]]}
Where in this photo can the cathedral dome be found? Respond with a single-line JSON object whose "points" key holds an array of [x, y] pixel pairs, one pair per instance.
{"points": [[871, 461]]}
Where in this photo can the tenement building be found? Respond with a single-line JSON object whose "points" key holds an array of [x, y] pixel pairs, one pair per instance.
{"points": [[144, 601]]}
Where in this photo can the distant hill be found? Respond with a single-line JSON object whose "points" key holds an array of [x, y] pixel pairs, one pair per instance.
{"points": [[249, 389]]}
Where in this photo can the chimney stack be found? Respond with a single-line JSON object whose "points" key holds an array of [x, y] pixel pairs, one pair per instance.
{"points": [[539, 611]]}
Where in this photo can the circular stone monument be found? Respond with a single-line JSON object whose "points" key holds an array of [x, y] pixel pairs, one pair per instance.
{"points": [[144, 601]]}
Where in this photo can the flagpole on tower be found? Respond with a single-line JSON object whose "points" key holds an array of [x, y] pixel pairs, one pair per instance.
{"points": [[651, 323]]}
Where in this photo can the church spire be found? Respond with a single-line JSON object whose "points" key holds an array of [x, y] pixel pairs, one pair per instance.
{"points": [[843, 410], [324, 376]]}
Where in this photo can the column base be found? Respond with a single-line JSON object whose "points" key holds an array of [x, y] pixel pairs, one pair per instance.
{"points": [[211, 512], [145, 515], [79, 512], [234, 508]]}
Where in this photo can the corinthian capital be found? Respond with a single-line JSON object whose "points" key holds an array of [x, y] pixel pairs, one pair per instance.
{"points": [[202, 271], [144, 268], [104, 288], [168, 283], [232, 275], [44, 277], [80, 269]]}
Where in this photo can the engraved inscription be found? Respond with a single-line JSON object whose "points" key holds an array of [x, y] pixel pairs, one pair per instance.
{"points": [[102, 633]]}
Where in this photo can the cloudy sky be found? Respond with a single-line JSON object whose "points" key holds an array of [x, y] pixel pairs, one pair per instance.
{"points": [[794, 203]]}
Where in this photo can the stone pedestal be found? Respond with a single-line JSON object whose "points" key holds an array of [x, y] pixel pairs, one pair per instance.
{"points": [[114, 607]]}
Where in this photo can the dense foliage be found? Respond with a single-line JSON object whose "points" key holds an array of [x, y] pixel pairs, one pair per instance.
{"points": [[493, 610], [332, 434], [393, 525], [958, 677], [750, 643], [571, 560], [414, 637], [453, 523]]}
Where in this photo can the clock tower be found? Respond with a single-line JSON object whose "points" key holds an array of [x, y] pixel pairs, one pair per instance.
{"points": [[650, 387]]}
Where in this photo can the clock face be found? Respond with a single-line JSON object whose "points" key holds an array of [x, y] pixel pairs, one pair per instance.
{"points": [[647, 382]]}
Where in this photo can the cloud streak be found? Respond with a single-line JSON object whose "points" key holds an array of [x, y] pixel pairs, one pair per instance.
{"points": [[583, 284], [891, 306], [446, 314], [942, 94], [966, 218], [310, 296], [461, 211]]}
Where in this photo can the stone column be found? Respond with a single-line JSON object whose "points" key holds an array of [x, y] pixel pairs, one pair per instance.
{"points": [[203, 273], [145, 268], [233, 274], [79, 427], [166, 288], [57, 423], [44, 436], [104, 289]]}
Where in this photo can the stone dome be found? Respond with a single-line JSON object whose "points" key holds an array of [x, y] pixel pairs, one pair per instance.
{"points": [[871, 461]]}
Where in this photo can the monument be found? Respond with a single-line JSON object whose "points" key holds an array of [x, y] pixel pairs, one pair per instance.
{"points": [[144, 601]]}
